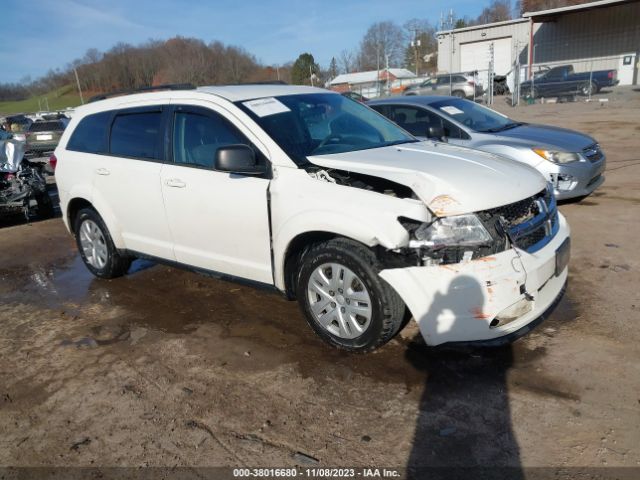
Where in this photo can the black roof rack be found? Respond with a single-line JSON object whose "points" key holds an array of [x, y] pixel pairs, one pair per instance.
{"points": [[265, 82], [168, 86]]}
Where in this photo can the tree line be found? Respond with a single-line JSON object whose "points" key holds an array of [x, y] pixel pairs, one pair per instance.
{"points": [[177, 60]]}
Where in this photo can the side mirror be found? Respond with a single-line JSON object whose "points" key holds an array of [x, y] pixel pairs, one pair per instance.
{"points": [[237, 159], [435, 132]]}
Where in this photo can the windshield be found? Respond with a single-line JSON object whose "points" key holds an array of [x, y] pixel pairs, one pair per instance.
{"points": [[321, 124], [474, 116]]}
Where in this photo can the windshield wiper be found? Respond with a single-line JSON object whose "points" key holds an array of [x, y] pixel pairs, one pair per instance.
{"points": [[508, 126], [399, 142]]}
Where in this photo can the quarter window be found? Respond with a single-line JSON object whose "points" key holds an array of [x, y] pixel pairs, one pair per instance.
{"points": [[90, 136], [136, 135], [197, 138]]}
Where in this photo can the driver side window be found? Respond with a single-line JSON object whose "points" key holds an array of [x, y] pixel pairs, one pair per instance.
{"points": [[198, 136], [414, 120], [452, 131]]}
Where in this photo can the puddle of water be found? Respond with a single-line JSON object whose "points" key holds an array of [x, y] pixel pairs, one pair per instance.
{"points": [[179, 302]]}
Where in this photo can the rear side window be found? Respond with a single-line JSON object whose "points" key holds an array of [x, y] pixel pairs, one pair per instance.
{"points": [[136, 135], [90, 136], [46, 126]]}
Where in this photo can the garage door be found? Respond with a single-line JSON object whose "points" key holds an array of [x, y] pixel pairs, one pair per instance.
{"points": [[475, 56]]}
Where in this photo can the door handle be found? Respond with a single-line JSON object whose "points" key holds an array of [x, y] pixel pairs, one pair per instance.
{"points": [[102, 171], [175, 183]]}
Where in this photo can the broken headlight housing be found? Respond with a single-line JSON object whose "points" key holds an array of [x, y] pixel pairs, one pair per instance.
{"points": [[459, 230], [556, 156]]}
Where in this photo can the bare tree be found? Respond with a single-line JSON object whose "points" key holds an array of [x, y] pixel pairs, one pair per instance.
{"points": [[382, 40], [346, 61], [497, 11]]}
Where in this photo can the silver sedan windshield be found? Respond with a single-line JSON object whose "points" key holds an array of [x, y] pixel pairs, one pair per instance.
{"points": [[474, 116]]}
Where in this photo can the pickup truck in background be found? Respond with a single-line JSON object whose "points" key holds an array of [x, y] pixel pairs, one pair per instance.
{"points": [[562, 80]]}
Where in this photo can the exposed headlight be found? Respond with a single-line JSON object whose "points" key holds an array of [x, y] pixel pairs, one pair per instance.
{"points": [[557, 157], [463, 230]]}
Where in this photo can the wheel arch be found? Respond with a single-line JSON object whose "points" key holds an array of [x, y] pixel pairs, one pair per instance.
{"points": [[73, 207], [295, 250], [77, 203]]}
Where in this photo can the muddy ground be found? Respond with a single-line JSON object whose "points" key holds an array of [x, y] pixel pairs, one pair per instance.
{"points": [[164, 367]]}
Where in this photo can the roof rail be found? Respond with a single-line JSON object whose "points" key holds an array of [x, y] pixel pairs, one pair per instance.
{"points": [[167, 86], [264, 82]]}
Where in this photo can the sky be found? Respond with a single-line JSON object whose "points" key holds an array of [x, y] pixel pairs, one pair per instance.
{"points": [[40, 35]]}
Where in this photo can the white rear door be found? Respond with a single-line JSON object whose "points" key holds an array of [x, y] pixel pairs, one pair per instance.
{"points": [[127, 181]]}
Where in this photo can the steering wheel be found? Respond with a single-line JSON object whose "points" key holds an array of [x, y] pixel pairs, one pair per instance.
{"points": [[332, 136], [468, 122]]}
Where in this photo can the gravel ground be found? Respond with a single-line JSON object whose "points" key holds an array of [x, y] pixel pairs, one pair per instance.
{"points": [[167, 368]]}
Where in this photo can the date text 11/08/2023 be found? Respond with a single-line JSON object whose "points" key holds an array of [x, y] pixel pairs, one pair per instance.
{"points": [[316, 473]]}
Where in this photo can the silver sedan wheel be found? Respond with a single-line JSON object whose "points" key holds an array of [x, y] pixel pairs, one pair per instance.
{"points": [[339, 300], [93, 244]]}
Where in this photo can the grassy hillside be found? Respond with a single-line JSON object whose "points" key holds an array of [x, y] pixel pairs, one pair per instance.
{"points": [[58, 99]]}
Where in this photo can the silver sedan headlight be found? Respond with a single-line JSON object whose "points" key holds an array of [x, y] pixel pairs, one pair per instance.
{"points": [[557, 156], [460, 230]]}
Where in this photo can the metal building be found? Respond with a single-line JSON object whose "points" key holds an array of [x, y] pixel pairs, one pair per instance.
{"points": [[593, 36]]}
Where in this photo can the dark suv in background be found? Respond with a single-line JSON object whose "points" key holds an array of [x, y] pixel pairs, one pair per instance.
{"points": [[43, 136]]}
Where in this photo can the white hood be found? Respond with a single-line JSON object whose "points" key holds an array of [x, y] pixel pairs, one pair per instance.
{"points": [[450, 180]]}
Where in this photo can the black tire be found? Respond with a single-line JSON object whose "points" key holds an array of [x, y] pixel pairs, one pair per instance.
{"points": [[387, 306], [116, 264], [45, 206], [588, 88], [458, 93]]}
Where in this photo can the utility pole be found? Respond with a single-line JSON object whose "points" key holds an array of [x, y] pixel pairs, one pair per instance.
{"points": [[448, 25], [78, 83], [415, 43], [377, 68], [388, 86], [491, 66]]}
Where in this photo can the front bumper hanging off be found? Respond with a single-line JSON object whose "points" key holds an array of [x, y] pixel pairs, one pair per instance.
{"points": [[483, 299]]}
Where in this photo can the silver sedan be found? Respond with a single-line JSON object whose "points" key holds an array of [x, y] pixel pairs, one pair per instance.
{"points": [[572, 161]]}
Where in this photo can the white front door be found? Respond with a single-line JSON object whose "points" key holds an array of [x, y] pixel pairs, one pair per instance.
{"points": [[218, 221], [127, 181]]}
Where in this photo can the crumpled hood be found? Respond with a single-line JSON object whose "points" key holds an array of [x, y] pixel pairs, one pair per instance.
{"points": [[450, 180], [550, 137]]}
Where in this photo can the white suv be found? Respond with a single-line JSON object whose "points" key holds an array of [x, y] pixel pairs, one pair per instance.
{"points": [[322, 198]]}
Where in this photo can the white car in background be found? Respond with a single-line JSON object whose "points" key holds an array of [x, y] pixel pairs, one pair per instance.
{"points": [[317, 196]]}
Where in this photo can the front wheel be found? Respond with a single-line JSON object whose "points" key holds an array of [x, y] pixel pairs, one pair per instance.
{"points": [[97, 250], [344, 299]]}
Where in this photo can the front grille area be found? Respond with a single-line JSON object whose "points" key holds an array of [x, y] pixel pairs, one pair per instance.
{"points": [[593, 153], [530, 223]]}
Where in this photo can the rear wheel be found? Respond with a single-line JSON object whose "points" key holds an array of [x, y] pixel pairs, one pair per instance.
{"points": [[96, 247], [343, 298], [458, 93], [588, 88]]}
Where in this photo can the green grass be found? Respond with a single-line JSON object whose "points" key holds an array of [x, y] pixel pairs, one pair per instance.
{"points": [[59, 99]]}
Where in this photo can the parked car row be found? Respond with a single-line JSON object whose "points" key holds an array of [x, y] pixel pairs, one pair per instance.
{"points": [[39, 136], [319, 197]]}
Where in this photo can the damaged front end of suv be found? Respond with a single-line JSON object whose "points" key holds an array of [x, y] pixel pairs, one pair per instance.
{"points": [[467, 274]]}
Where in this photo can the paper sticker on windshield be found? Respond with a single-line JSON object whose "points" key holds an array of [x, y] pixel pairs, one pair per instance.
{"points": [[263, 107], [451, 110]]}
